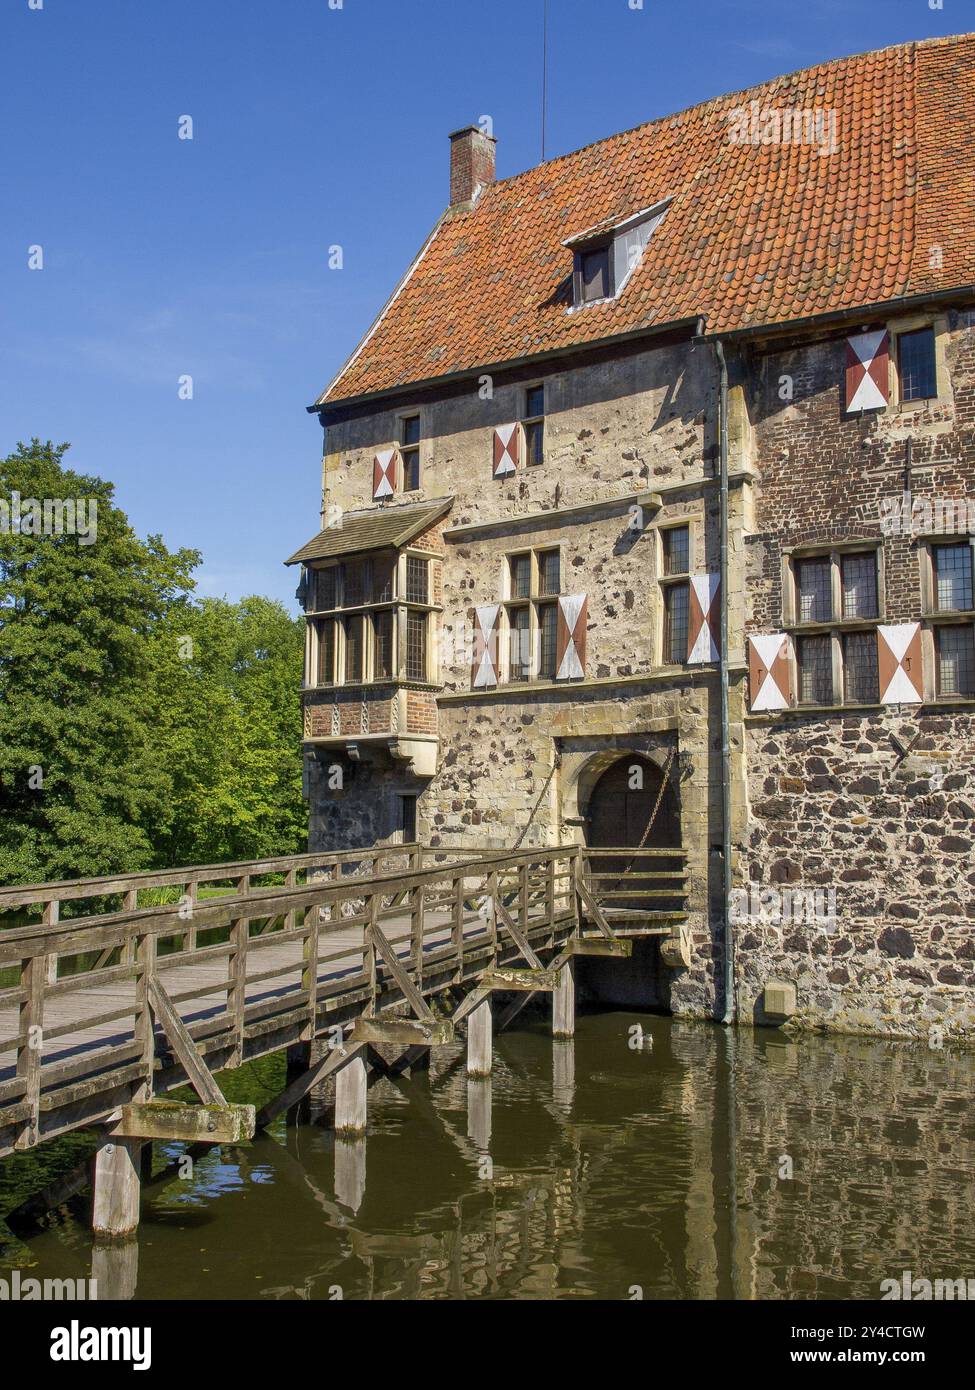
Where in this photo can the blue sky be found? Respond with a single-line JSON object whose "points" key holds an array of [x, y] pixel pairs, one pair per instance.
{"points": [[312, 126]]}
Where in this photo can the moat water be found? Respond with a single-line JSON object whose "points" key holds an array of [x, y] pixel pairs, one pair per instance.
{"points": [[709, 1165]]}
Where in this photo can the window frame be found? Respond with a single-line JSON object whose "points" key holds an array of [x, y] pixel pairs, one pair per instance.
{"points": [[900, 328], [409, 452], [535, 602], [670, 579], [530, 423], [836, 627], [936, 619]]}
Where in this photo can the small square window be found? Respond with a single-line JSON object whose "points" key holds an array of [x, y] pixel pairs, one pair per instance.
{"points": [[549, 573], [860, 668], [953, 576], [815, 659], [858, 578], [521, 576], [417, 573], [916, 365], [956, 660], [813, 587], [677, 549]]}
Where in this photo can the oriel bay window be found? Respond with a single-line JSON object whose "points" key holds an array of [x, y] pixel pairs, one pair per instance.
{"points": [[371, 620], [534, 583], [832, 609]]}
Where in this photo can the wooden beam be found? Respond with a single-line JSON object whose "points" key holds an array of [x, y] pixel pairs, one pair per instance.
{"points": [[163, 1119], [583, 946], [564, 1002], [479, 1040], [595, 911], [326, 1065], [115, 1203], [409, 1031], [410, 992], [198, 1073], [517, 936], [504, 978]]}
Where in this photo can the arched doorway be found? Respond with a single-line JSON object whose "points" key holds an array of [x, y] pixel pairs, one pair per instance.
{"points": [[620, 806], [622, 801]]}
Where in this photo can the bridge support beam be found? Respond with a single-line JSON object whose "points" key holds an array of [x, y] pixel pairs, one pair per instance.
{"points": [[564, 1002], [351, 1084], [117, 1188], [480, 1042]]}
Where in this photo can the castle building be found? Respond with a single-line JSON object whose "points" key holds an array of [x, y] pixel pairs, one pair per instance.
{"points": [[648, 517]]}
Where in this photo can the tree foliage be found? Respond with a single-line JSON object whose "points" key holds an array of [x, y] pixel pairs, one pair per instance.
{"points": [[139, 727]]}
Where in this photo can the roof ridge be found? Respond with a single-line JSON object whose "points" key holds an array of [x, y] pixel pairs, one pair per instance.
{"points": [[910, 44]]}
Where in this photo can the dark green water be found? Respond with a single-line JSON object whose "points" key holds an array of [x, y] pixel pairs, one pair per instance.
{"points": [[591, 1170]]}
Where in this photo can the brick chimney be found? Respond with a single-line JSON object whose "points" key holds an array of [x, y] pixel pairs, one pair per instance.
{"points": [[472, 159]]}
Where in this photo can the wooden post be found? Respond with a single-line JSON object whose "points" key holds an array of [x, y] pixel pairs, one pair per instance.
{"points": [[479, 1040], [115, 1204], [457, 926], [52, 914], [130, 903], [523, 894], [369, 950], [550, 897], [564, 1002], [145, 951], [33, 977], [350, 1098], [237, 985], [309, 974], [291, 918], [416, 935], [493, 897], [479, 1112], [350, 1172], [193, 896], [576, 895]]}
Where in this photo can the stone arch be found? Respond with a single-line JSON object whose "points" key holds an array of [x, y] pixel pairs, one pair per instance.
{"points": [[582, 769]]}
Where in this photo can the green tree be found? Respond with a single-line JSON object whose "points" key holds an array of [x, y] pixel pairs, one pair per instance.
{"points": [[225, 695], [82, 779]]}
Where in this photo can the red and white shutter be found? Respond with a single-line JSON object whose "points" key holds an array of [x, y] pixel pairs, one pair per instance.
{"points": [[507, 439], [899, 664], [867, 371], [570, 638], [769, 671], [484, 673], [384, 474], [703, 621]]}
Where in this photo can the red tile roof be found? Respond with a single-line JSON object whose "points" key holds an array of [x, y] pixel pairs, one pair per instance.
{"points": [[756, 233]]}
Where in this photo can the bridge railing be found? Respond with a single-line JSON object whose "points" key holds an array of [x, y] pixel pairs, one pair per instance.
{"points": [[250, 972]]}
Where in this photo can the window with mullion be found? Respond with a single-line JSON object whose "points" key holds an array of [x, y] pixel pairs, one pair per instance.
{"points": [[417, 579], [917, 365], [548, 618], [676, 542]]}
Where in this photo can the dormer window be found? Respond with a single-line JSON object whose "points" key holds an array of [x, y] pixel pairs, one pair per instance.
{"points": [[593, 274], [605, 256]]}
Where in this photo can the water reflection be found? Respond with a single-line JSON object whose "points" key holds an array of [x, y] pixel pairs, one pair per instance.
{"points": [[710, 1165]]}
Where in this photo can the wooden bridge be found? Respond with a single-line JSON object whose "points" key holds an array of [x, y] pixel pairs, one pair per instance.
{"points": [[331, 956]]}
